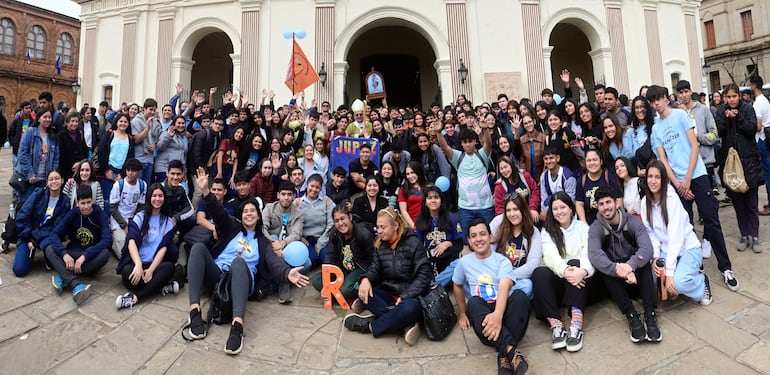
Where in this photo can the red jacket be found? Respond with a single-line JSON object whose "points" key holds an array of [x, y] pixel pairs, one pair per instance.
{"points": [[502, 188]]}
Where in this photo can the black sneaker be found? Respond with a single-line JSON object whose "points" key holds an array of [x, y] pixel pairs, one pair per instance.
{"points": [[653, 333], [358, 323], [559, 337], [575, 339], [707, 299], [197, 328], [235, 341], [412, 334], [180, 276], [284, 293], [357, 306], [503, 365], [637, 328], [518, 363], [4, 246]]}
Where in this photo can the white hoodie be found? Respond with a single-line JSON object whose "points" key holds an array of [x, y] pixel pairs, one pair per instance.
{"points": [[674, 238]]}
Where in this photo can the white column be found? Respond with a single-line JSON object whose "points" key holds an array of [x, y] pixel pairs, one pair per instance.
{"points": [[602, 62], [236, 57], [340, 70], [547, 51], [182, 67], [444, 73]]}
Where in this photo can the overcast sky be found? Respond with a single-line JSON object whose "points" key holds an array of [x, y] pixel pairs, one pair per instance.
{"points": [[66, 7]]}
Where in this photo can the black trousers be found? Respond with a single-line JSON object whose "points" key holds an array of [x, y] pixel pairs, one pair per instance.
{"points": [[621, 292], [162, 276], [551, 291], [515, 319]]}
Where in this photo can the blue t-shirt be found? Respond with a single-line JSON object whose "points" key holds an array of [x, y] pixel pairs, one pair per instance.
{"points": [[118, 152], [244, 246], [155, 232], [473, 186], [482, 276], [49, 211], [671, 134]]}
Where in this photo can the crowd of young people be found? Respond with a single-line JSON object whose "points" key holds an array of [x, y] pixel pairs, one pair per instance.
{"points": [[582, 185]]}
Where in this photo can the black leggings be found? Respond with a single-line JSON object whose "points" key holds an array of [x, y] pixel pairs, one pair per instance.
{"points": [[551, 291], [162, 276], [203, 272]]}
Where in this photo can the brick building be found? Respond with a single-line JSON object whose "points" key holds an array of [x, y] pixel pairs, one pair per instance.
{"points": [[46, 35]]}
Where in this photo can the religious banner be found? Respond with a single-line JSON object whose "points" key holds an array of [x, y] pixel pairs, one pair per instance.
{"points": [[346, 149], [375, 85]]}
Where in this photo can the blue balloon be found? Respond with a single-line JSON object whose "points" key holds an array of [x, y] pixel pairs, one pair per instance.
{"points": [[557, 98], [300, 34], [287, 34], [296, 254], [442, 183], [7, 145]]}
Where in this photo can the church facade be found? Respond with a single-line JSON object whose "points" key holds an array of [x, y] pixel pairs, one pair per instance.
{"points": [[427, 51]]}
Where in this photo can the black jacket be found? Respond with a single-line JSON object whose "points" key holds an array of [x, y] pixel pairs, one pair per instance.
{"points": [[202, 145], [72, 151], [270, 265], [403, 271], [362, 247], [738, 132]]}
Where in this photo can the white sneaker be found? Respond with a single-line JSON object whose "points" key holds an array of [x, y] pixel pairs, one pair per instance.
{"points": [[730, 280], [706, 248]]}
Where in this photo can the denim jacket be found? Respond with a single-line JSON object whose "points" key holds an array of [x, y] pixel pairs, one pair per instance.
{"points": [[30, 152]]}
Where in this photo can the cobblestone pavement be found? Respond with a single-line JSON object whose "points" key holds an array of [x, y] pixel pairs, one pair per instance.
{"points": [[41, 332]]}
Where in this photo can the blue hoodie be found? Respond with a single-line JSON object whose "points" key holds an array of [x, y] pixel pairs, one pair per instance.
{"points": [[90, 233]]}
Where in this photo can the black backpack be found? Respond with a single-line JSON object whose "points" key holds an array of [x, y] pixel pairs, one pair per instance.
{"points": [[221, 307]]}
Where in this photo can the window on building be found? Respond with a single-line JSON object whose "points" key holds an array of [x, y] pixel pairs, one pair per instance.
{"points": [[64, 48], [674, 81], [752, 70], [36, 42], [108, 94], [714, 81], [711, 36], [2, 105], [7, 36], [747, 24]]}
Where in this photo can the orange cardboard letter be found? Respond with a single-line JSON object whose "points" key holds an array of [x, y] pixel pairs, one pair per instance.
{"points": [[332, 288]]}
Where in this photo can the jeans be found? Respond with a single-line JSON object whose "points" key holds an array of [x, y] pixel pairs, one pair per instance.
{"points": [[392, 317], [23, 258], [687, 277], [146, 173], [89, 267], [515, 320], [466, 216], [708, 210], [746, 206], [764, 157]]}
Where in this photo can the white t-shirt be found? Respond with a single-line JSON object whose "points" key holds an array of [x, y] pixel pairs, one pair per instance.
{"points": [[762, 108], [127, 201]]}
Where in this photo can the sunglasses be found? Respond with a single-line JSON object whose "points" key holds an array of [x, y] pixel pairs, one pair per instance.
{"points": [[511, 196]]}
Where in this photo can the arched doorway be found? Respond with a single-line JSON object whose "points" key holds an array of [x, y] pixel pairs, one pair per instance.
{"points": [[213, 66], [405, 59], [571, 49]]}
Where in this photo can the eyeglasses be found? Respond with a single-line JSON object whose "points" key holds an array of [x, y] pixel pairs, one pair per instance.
{"points": [[511, 196]]}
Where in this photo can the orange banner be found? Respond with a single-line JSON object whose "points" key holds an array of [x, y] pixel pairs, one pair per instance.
{"points": [[301, 73]]}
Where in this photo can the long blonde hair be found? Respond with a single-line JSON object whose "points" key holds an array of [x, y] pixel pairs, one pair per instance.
{"points": [[395, 218]]}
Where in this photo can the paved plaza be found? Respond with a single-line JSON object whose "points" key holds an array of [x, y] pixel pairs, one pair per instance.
{"points": [[43, 333]]}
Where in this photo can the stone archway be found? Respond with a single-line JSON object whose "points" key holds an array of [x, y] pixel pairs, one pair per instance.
{"points": [[584, 30], [201, 33], [398, 18], [405, 59], [570, 50]]}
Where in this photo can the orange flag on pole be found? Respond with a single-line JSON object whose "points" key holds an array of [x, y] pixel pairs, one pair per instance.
{"points": [[301, 73]]}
